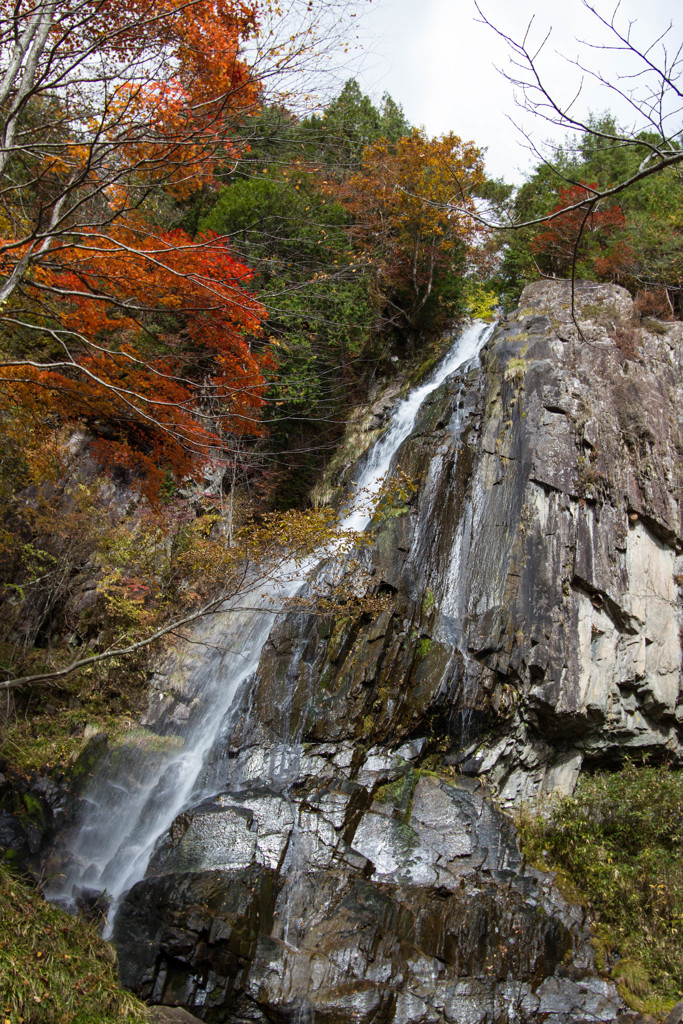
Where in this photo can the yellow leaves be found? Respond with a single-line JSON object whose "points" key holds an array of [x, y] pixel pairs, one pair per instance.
{"points": [[481, 302], [427, 173]]}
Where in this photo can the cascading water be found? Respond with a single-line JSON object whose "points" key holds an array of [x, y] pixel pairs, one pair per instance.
{"points": [[111, 845]]}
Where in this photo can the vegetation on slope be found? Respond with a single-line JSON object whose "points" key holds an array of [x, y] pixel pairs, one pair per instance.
{"points": [[201, 311], [617, 845], [54, 968]]}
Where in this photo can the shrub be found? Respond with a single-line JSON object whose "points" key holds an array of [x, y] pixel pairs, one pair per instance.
{"points": [[618, 847], [654, 302]]}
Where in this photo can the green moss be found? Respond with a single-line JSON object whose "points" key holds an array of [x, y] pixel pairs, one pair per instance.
{"points": [[340, 632], [326, 678], [89, 758], [367, 725], [33, 810], [515, 369], [399, 793], [617, 846], [424, 646], [427, 602], [54, 968], [433, 767], [407, 837], [10, 858], [602, 310], [393, 511], [654, 326], [146, 739]]}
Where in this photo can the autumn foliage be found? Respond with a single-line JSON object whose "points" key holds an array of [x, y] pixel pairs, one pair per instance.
{"points": [[151, 84], [113, 112], [581, 235], [402, 200], [133, 329], [181, 378]]}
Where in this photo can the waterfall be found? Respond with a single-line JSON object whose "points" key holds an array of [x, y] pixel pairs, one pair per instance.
{"points": [[120, 824]]}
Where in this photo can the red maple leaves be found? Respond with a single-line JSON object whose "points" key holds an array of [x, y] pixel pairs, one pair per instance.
{"points": [[581, 235]]}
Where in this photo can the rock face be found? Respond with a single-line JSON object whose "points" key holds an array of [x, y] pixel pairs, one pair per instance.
{"points": [[410, 904], [31, 808], [535, 579], [350, 858]]}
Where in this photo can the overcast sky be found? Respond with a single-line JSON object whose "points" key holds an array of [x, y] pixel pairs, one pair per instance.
{"points": [[438, 61]]}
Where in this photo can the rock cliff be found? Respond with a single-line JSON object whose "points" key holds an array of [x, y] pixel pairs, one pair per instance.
{"points": [[354, 860]]}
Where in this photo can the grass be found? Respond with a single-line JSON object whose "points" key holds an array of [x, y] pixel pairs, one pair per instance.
{"points": [[46, 729], [617, 846], [50, 741], [54, 968]]}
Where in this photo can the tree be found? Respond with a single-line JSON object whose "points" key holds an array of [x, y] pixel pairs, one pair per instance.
{"points": [[619, 160], [649, 252], [350, 123], [404, 223], [651, 86], [279, 211], [117, 318], [643, 249], [110, 114], [317, 314], [580, 236]]}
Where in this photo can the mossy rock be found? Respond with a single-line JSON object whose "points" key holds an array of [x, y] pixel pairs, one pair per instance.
{"points": [[89, 760]]}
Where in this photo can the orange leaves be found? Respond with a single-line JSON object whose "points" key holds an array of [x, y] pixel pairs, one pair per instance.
{"points": [[404, 200], [413, 185], [128, 274], [132, 91], [181, 376], [581, 234], [143, 332], [423, 177]]}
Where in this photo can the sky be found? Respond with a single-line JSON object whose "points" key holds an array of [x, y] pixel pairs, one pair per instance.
{"points": [[438, 61]]}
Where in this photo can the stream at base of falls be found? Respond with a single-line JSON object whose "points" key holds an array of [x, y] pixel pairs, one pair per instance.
{"points": [[138, 794]]}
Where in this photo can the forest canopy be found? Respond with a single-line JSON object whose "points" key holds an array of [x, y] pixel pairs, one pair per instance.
{"points": [[188, 304], [634, 238]]}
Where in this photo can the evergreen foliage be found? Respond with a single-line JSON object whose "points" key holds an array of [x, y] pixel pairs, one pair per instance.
{"points": [[644, 249]]}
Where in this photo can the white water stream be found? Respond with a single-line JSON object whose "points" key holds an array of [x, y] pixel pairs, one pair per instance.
{"points": [[121, 823]]}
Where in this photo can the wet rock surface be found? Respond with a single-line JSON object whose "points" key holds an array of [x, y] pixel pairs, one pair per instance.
{"points": [[350, 855], [534, 581], [32, 808], [405, 897], [578, 645]]}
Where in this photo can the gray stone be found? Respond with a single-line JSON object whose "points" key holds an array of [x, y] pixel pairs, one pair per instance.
{"points": [[172, 1015], [676, 1015]]}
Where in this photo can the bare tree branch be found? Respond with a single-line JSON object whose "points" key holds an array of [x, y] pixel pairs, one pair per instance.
{"points": [[659, 79]]}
